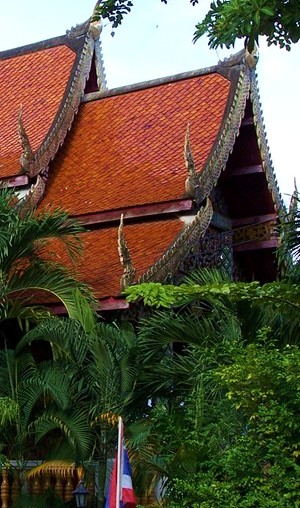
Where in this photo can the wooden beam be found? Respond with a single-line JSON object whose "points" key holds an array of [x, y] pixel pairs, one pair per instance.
{"points": [[106, 304], [246, 170], [255, 219], [247, 121], [15, 181], [136, 212], [256, 245], [113, 304]]}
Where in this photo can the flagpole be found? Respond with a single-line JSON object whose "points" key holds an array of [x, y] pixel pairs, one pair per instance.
{"points": [[119, 462]]}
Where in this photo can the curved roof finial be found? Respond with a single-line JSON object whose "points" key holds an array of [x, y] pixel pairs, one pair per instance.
{"points": [[27, 154], [188, 156], [192, 181], [125, 259]]}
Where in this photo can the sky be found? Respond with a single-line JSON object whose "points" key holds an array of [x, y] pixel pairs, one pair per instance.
{"points": [[155, 40]]}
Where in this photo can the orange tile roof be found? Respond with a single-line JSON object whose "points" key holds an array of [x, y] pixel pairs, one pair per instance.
{"points": [[36, 80], [100, 266], [127, 149]]}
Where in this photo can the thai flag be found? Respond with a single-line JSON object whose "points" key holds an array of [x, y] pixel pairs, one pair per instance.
{"points": [[121, 493]]}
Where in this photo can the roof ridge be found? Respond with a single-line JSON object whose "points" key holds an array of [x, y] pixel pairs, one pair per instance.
{"points": [[35, 46], [223, 67], [70, 38], [242, 57], [142, 85]]}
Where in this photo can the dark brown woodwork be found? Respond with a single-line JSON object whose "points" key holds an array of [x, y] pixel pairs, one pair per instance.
{"points": [[255, 219], [256, 245], [246, 170], [136, 211], [247, 121], [15, 181], [92, 82], [248, 195], [106, 304]]}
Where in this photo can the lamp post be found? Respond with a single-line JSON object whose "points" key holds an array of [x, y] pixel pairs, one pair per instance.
{"points": [[81, 495]]}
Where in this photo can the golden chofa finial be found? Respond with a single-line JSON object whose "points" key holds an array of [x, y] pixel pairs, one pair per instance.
{"points": [[125, 259]]}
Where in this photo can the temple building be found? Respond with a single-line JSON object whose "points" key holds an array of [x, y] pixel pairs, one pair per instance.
{"points": [[166, 175]]}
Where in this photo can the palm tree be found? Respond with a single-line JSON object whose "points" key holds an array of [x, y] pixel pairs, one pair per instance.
{"points": [[37, 398], [27, 267], [101, 368]]}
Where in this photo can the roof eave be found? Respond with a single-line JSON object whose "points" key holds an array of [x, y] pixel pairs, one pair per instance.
{"points": [[232, 119], [267, 164]]}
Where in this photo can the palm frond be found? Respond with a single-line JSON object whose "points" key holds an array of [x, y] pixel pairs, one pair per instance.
{"points": [[62, 468], [73, 426], [165, 328], [67, 338], [207, 276], [56, 281], [24, 234], [47, 383]]}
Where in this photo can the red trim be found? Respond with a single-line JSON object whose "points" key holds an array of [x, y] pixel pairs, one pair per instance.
{"points": [[182, 205], [113, 304], [256, 245], [15, 181], [57, 308], [247, 170], [247, 121], [256, 219], [109, 303]]}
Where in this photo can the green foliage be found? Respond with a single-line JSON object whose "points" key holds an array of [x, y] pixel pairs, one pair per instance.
{"points": [[285, 297], [9, 410], [246, 450], [229, 20], [27, 265], [225, 369], [289, 249], [115, 10], [96, 373], [154, 294], [35, 399]]}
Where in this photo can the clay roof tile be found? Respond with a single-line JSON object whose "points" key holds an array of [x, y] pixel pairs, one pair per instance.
{"points": [[37, 81], [127, 149]]}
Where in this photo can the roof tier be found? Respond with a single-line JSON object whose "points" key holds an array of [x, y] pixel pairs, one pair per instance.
{"points": [[100, 265], [126, 149], [36, 82], [46, 81]]}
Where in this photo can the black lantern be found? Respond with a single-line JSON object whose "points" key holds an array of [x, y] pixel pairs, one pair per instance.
{"points": [[81, 495]]}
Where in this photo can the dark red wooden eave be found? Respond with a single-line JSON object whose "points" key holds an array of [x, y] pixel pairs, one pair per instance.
{"points": [[256, 219], [15, 181], [110, 303], [246, 170], [132, 212], [256, 245]]}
